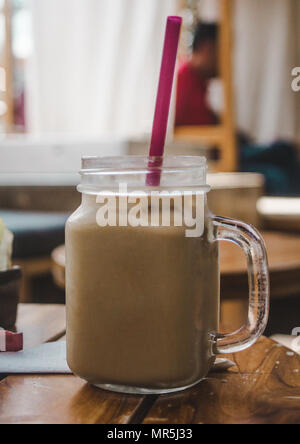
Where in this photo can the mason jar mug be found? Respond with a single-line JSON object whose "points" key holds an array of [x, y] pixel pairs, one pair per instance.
{"points": [[143, 279]]}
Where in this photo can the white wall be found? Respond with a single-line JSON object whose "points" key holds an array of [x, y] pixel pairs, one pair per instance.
{"points": [[265, 53]]}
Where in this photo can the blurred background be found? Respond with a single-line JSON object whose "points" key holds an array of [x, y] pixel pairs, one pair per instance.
{"points": [[79, 77]]}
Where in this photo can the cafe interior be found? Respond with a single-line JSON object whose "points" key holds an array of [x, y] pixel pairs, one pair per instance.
{"points": [[79, 78], [59, 103]]}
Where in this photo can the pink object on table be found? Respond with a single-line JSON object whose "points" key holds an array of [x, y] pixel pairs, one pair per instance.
{"points": [[164, 98], [10, 342]]}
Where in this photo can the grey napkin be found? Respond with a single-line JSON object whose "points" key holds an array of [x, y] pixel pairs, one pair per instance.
{"points": [[51, 359], [44, 359]]}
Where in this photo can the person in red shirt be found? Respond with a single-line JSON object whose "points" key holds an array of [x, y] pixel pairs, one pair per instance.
{"points": [[192, 107]]}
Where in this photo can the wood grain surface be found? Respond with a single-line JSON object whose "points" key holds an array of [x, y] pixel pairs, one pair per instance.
{"points": [[62, 400], [263, 388]]}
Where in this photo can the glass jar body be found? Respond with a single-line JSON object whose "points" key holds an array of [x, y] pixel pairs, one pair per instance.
{"points": [[143, 303], [142, 276]]}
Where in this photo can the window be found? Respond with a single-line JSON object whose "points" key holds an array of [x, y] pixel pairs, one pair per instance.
{"points": [[15, 48]]}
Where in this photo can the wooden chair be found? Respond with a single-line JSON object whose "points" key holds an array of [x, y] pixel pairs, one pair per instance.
{"points": [[32, 268], [222, 136]]}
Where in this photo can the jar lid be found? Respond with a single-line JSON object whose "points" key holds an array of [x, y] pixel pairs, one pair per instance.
{"points": [[177, 172]]}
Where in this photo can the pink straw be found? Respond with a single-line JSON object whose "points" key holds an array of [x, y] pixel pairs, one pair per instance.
{"points": [[164, 98]]}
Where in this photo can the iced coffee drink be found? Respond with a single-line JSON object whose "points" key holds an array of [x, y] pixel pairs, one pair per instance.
{"points": [[143, 299], [134, 318]]}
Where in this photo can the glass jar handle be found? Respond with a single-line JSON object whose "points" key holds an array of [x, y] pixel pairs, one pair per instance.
{"points": [[248, 238]]}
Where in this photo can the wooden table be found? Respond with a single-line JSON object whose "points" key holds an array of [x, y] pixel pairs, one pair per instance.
{"points": [[284, 265], [263, 388], [280, 213]]}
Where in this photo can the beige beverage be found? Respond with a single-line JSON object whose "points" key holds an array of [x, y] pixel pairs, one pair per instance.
{"points": [[142, 303], [143, 298]]}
